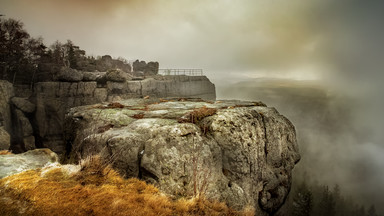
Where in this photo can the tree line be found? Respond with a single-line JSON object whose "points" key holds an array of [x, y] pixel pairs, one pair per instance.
{"points": [[27, 59]]}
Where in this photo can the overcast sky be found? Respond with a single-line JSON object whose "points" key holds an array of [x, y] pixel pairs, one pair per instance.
{"points": [[240, 39]]}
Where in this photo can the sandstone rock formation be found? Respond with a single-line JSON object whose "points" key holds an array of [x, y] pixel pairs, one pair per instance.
{"points": [[116, 75], [5, 139], [53, 99], [23, 104], [69, 75], [15, 163], [6, 93], [92, 76], [149, 69], [238, 152]]}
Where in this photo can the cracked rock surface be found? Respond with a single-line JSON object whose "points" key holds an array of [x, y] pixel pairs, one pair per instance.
{"points": [[238, 152]]}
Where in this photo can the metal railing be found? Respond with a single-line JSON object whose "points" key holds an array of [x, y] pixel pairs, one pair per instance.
{"points": [[178, 72]]}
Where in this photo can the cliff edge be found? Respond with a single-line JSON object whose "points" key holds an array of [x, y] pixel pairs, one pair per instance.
{"points": [[241, 153]]}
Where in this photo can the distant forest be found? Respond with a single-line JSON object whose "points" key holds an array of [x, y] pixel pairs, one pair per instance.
{"points": [[24, 60], [321, 200]]}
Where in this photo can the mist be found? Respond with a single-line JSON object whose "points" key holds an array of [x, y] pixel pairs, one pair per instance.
{"points": [[319, 62]]}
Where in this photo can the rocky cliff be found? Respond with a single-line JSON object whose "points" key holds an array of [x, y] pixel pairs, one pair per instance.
{"points": [[241, 153], [53, 99], [6, 93]]}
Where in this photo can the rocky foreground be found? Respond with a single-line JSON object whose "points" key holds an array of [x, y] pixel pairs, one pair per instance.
{"points": [[241, 153]]}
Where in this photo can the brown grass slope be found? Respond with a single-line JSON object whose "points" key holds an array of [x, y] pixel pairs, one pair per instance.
{"points": [[94, 190]]}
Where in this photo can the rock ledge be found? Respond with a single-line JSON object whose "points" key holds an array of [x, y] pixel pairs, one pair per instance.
{"points": [[238, 152]]}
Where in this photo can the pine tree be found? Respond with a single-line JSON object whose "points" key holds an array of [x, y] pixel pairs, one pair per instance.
{"points": [[327, 204], [302, 201], [372, 211]]}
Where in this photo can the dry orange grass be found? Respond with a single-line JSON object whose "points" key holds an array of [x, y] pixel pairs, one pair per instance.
{"points": [[198, 114], [5, 152], [95, 190]]}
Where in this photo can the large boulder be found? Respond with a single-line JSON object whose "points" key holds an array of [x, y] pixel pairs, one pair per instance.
{"points": [[23, 123], [116, 75], [15, 163], [5, 139], [69, 75], [152, 68], [238, 152], [24, 104], [92, 76], [139, 65], [149, 69]]}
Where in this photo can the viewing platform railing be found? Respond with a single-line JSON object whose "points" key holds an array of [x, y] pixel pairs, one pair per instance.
{"points": [[178, 72]]}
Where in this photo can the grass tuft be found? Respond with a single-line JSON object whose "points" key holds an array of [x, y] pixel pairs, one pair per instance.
{"points": [[197, 115], [138, 116]]}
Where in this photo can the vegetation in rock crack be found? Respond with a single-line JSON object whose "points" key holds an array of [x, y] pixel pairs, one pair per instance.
{"points": [[95, 189], [198, 114], [112, 105], [138, 116]]}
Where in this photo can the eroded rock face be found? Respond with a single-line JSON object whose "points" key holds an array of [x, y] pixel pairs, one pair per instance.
{"points": [[238, 152], [16, 163], [6, 93], [5, 139], [117, 76], [24, 104], [53, 99], [69, 75]]}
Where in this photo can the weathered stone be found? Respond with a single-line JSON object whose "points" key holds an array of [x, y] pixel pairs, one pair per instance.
{"points": [[6, 93], [139, 65], [100, 94], [92, 76], [53, 99], [152, 68], [116, 76], [29, 143], [23, 123], [149, 69], [5, 141], [69, 75], [242, 153], [138, 74], [16, 163], [24, 104]]}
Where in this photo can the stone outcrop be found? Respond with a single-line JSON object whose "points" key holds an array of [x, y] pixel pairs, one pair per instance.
{"points": [[149, 69], [23, 104], [69, 75], [238, 152], [16, 163], [22, 132], [117, 76], [6, 93], [92, 76], [5, 139], [53, 99]]}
